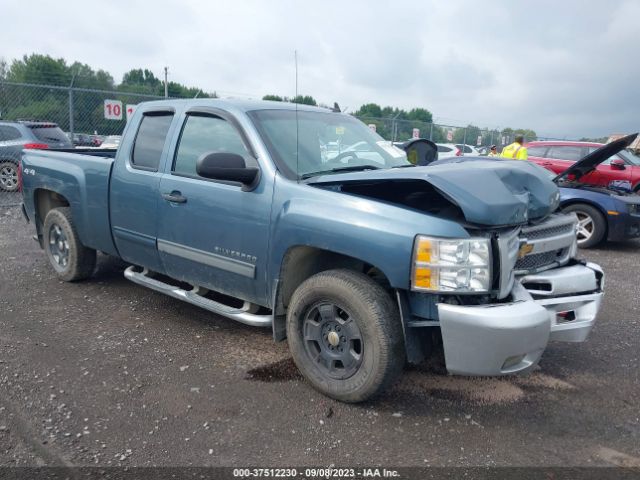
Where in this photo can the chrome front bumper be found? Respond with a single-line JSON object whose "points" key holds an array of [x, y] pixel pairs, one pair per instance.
{"points": [[498, 339]]}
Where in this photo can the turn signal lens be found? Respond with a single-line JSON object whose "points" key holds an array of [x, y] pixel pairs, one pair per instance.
{"points": [[422, 278], [423, 250]]}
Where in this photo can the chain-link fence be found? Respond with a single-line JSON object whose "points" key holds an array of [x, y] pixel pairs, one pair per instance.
{"points": [[29, 114], [400, 130], [37, 116]]}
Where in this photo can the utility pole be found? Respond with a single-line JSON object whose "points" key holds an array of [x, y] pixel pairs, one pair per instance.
{"points": [[166, 83]]}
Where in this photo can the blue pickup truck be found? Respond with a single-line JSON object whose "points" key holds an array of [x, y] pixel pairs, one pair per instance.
{"points": [[305, 221]]}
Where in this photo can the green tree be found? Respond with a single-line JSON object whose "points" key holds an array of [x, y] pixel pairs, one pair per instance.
{"points": [[369, 110], [304, 99], [141, 80], [273, 98], [420, 114], [41, 69], [468, 135]]}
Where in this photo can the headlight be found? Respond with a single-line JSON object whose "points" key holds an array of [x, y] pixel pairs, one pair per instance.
{"points": [[634, 209], [451, 265]]}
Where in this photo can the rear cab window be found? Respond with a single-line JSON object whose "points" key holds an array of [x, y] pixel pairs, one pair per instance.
{"points": [[150, 140]]}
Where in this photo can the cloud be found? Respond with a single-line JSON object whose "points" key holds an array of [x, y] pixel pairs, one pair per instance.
{"points": [[561, 68]]}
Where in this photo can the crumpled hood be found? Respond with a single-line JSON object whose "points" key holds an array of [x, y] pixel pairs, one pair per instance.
{"points": [[487, 192]]}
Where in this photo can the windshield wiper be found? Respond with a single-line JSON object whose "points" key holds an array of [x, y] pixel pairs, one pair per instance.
{"points": [[404, 166], [351, 168]]}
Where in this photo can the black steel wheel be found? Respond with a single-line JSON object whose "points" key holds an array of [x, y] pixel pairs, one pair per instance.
{"points": [[67, 255], [345, 335], [332, 338]]}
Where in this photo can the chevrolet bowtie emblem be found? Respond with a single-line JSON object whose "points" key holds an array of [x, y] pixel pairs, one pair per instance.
{"points": [[525, 249]]}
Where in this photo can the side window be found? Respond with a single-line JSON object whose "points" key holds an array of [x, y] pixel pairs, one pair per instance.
{"points": [[565, 152], [205, 134], [150, 139], [536, 151], [443, 149], [9, 133], [608, 160]]}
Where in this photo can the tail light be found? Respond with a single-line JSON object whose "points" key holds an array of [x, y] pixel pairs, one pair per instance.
{"points": [[35, 146], [458, 152], [20, 175]]}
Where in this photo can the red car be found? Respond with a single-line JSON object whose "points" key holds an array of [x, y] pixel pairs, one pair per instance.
{"points": [[621, 169]]}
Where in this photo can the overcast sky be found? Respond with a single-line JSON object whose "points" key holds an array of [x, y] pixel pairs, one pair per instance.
{"points": [[563, 68]]}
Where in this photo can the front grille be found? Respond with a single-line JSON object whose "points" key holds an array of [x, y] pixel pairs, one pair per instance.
{"points": [[550, 244], [537, 261], [534, 234]]}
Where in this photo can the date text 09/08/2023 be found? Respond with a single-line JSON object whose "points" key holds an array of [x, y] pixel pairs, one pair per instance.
{"points": [[336, 473]]}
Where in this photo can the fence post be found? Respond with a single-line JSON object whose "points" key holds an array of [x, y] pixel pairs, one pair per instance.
{"points": [[71, 114], [73, 78], [431, 132], [464, 139]]}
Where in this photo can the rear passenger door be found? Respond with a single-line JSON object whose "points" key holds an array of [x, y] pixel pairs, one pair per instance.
{"points": [[562, 157], [134, 190], [214, 233]]}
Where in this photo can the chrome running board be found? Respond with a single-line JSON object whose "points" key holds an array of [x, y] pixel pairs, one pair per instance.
{"points": [[243, 314]]}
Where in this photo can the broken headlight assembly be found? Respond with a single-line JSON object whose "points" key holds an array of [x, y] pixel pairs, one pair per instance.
{"points": [[444, 265]]}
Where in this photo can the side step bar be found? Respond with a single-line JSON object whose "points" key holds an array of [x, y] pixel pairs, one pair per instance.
{"points": [[242, 315]]}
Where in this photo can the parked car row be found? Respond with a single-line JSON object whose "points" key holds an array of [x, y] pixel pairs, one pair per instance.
{"points": [[19, 135]]}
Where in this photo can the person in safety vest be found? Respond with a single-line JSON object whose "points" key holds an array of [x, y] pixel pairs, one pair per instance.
{"points": [[515, 151], [493, 152]]}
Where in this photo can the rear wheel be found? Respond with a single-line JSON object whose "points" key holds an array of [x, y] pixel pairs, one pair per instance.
{"points": [[8, 176], [592, 226], [345, 335], [69, 258]]}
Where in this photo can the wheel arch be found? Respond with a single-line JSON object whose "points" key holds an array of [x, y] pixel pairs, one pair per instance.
{"points": [[301, 262], [46, 200]]}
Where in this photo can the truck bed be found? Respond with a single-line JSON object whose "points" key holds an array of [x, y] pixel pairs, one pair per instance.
{"points": [[81, 177]]}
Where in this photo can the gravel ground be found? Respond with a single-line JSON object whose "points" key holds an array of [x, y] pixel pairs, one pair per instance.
{"points": [[105, 372]]}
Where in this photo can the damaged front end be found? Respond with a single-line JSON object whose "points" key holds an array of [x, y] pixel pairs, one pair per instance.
{"points": [[537, 291], [542, 294]]}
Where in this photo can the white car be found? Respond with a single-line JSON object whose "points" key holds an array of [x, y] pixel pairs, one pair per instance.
{"points": [[112, 141], [468, 149], [446, 150]]}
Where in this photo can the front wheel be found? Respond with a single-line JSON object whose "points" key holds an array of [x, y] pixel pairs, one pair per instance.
{"points": [[69, 258], [9, 177], [592, 225], [345, 335]]}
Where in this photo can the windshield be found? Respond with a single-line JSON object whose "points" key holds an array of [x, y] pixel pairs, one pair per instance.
{"points": [[327, 143], [629, 157]]}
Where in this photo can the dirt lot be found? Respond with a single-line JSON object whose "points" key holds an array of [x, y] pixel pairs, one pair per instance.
{"points": [[106, 372]]}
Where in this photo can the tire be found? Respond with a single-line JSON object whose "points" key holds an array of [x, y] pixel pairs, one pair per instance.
{"points": [[592, 226], [8, 176], [70, 259], [326, 315]]}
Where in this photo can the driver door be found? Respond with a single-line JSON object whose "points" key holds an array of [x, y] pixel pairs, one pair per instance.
{"points": [[214, 233]]}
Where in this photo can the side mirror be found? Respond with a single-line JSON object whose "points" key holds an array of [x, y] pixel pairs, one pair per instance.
{"points": [[226, 166], [618, 164]]}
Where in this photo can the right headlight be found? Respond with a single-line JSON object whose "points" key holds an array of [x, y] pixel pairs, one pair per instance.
{"points": [[451, 265]]}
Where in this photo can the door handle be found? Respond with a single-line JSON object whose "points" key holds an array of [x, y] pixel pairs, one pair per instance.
{"points": [[174, 197]]}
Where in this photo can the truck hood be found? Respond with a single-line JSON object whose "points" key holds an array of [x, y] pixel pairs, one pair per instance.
{"points": [[589, 162], [483, 192]]}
